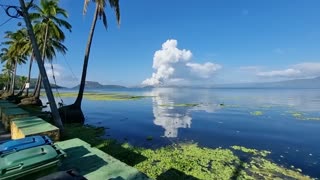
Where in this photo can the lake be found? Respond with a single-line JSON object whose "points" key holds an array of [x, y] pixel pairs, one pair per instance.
{"points": [[285, 122]]}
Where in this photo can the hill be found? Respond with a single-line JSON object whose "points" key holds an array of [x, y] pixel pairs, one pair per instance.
{"points": [[97, 85]]}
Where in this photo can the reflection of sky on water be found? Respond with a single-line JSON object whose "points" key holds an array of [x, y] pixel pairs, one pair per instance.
{"points": [[171, 117]]}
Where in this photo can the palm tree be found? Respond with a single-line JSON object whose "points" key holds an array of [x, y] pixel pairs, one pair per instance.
{"points": [[14, 54], [53, 106], [74, 110], [46, 18], [6, 69]]}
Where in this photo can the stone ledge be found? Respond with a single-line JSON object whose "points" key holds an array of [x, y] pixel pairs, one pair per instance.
{"points": [[11, 113], [29, 126], [93, 163]]}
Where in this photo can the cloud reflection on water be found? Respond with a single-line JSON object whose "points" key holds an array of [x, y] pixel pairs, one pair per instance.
{"points": [[172, 117]]}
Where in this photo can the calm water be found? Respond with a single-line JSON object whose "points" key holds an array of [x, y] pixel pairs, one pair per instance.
{"points": [[292, 141]]}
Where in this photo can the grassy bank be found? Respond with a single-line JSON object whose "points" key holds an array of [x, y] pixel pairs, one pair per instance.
{"points": [[102, 96], [188, 161]]}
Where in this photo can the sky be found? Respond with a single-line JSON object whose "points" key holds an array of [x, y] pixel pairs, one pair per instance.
{"points": [[203, 42]]}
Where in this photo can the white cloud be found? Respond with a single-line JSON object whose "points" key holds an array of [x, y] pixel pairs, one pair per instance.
{"points": [[62, 76], [173, 65], [302, 70], [280, 73], [204, 70]]}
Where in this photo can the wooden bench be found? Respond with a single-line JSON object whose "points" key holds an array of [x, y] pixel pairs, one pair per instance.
{"points": [[29, 126], [10, 113]]}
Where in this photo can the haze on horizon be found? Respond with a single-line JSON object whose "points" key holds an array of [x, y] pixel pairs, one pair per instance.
{"points": [[212, 42]]}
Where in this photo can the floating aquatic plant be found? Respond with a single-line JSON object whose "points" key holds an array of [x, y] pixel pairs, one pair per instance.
{"points": [[180, 105], [256, 113], [103, 96]]}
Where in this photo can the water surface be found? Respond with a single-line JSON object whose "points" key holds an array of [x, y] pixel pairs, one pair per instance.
{"points": [[289, 124]]}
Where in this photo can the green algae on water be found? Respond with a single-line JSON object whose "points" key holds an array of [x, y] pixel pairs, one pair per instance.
{"points": [[255, 152], [180, 105], [188, 159], [103, 96], [256, 113]]}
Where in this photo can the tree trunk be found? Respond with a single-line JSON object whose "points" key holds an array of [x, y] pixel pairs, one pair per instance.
{"points": [[29, 73], [35, 47], [8, 84], [86, 59], [38, 89], [13, 78], [37, 84]]}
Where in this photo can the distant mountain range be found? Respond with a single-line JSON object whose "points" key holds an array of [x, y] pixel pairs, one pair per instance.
{"points": [[97, 85], [291, 84]]}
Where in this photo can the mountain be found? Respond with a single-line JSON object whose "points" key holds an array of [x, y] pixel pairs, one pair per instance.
{"points": [[291, 84], [97, 85]]}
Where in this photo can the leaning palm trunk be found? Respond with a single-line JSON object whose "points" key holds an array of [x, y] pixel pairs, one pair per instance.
{"points": [[13, 79], [29, 73], [53, 106], [86, 59], [38, 89], [73, 112]]}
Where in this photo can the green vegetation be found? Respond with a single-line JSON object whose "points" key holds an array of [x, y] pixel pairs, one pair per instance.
{"points": [[302, 116], [103, 96], [297, 114], [180, 105], [188, 161], [229, 105], [256, 113], [255, 152]]}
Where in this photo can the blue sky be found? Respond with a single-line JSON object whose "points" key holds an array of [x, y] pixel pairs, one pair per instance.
{"points": [[230, 41]]}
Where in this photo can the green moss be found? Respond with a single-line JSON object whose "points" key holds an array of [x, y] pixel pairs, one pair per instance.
{"points": [[103, 96], [256, 113], [187, 160], [180, 105]]}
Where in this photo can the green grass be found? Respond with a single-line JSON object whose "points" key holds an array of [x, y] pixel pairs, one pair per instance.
{"points": [[103, 96], [188, 160]]}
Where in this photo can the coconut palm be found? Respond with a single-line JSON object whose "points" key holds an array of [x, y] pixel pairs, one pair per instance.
{"points": [[6, 69], [13, 55], [47, 27], [74, 110]]}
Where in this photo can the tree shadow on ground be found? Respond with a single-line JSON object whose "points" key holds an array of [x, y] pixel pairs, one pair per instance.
{"points": [[125, 155], [176, 175], [92, 135], [80, 159]]}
